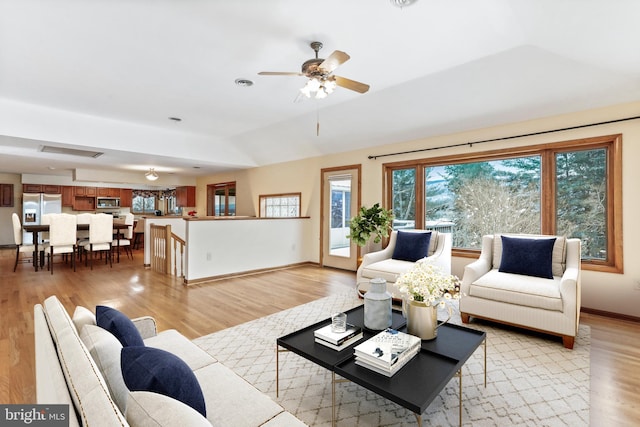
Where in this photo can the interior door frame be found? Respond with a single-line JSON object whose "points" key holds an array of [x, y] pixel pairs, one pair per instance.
{"points": [[354, 207]]}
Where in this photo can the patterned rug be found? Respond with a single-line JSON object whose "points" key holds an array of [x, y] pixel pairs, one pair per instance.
{"points": [[532, 380]]}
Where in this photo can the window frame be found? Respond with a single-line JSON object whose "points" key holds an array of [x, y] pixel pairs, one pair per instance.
{"points": [[262, 197], [547, 152]]}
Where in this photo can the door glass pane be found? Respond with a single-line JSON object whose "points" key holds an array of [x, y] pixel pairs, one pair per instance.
{"points": [[403, 201], [581, 200], [219, 202], [340, 191]]}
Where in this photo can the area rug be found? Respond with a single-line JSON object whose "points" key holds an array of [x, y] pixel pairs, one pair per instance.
{"points": [[532, 380]]}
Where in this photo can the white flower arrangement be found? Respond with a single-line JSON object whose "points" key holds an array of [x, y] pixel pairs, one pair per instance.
{"points": [[426, 283]]}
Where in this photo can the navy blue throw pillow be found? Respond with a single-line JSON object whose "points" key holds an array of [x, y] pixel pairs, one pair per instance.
{"points": [[158, 371], [411, 246], [119, 325], [531, 257]]}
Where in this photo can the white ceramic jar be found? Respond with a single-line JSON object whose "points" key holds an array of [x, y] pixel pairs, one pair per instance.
{"points": [[377, 305]]}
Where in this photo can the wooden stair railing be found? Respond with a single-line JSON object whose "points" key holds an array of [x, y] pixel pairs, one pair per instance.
{"points": [[167, 250]]}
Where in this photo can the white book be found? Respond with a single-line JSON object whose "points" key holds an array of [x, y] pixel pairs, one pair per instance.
{"points": [[393, 369], [342, 346], [385, 348], [337, 338]]}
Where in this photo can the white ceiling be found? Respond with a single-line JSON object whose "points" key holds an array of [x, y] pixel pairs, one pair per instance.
{"points": [[107, 74]]}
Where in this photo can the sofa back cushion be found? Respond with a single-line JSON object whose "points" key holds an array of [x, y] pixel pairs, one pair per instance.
{"points": [[105, 350], [86, 385], [558, 255]]}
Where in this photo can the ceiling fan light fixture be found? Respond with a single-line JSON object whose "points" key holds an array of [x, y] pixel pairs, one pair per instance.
{"points": [[402, 3], [321, 94], [151, 175]]}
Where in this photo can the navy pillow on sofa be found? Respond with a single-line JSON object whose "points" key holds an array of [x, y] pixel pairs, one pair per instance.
{"points": [[411, 246], [158, 371], [119, 325], [531, 257]]}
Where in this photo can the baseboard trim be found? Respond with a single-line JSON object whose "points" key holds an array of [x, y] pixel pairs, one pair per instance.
{"points": [[610, 314], [245, 273]]}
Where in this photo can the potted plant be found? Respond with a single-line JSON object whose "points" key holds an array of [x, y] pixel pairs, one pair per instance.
{"points": [[370, 222]]}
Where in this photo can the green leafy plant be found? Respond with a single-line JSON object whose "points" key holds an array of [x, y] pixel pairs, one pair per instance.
{"points": [[370, 222]]}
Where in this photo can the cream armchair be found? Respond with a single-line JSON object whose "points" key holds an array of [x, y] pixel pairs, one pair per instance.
{"points": [[550, 305], [382, 264]]}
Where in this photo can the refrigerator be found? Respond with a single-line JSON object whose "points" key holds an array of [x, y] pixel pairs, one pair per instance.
{"points": [[34, 205]]}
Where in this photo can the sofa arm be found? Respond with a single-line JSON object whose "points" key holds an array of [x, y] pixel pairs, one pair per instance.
{"points": [[473, 272], [146, 325]]}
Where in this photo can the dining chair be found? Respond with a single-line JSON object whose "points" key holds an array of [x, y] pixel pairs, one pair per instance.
{"points": [[138, 233], [126, 240], [100, 237], [17, 237], [82, 235], [62, 237], [44, 235]]}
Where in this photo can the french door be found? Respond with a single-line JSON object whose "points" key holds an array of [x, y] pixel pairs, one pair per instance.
{"points": [[339, 203]]}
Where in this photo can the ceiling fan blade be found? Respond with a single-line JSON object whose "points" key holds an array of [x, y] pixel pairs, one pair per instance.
{"points": [[351, 84], [279, 73], [334, 61]]}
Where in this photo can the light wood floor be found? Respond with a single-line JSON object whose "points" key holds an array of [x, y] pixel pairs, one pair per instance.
{"points": [[206, 308]]}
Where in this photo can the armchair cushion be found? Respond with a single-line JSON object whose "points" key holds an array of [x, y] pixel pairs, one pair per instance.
{"points": [[531, 257], [411, 246]]}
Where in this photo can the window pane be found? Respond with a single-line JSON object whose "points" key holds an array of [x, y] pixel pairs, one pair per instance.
{"points": [[581, 199], [474, 199], [403, 203]]}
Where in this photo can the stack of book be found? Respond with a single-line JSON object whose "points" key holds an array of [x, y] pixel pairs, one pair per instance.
{"points": [[338, 340], [387, 351]]}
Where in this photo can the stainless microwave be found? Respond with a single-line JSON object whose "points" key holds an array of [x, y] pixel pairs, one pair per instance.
{"points": [[108, 202]]}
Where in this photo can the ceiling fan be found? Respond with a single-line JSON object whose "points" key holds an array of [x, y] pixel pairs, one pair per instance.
{"points": [[319, 72]]}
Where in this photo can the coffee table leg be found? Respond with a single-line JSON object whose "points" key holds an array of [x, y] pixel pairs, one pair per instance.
{"points": [[277, 370], [460, 397], [418, 419], [333, 398], [484, 344]]}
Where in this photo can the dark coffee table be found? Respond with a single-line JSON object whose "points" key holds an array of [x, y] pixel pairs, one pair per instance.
{"points": [[415, 385]]}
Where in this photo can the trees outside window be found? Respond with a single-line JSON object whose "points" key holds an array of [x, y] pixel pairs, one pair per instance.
{"points": [[569, 188]]}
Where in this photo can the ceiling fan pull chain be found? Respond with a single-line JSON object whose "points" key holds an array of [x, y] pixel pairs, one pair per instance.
{"points": [[317, 121]]}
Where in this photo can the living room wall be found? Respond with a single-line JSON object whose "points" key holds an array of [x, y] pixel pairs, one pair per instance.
{"points": [[601, 291]]}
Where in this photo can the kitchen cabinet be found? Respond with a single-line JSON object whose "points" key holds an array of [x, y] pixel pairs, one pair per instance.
{"points": [[52, 189], [67, 195], [103, 192], [85, 191], [31, 188], [6, 195], [126, 198], [186, 196], [84, 203]]}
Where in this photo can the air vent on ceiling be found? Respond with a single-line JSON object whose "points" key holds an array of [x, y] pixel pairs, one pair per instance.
{"points": [[70, 151]]}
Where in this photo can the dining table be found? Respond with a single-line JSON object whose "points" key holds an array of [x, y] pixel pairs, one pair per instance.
{"points": [[35, 229]]}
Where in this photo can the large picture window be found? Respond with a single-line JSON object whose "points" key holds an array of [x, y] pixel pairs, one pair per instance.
{"points": [[569, 188], [280, 205]]}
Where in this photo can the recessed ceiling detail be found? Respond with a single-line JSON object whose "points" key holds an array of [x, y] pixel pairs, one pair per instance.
{"points": [[70, 151]]}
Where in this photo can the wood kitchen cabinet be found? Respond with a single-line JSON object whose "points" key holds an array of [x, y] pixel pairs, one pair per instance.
{"points": [[186, 196], [52, 189], [31, 188], [126, 198], [6, 195], [67, 195], [85, 191]]}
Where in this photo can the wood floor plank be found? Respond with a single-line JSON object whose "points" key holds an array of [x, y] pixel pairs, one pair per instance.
{"points": [[205, 308]]}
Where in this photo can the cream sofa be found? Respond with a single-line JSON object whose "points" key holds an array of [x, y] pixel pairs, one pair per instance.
{"points": [[550, 305], [381, 263], [78, 363]]}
